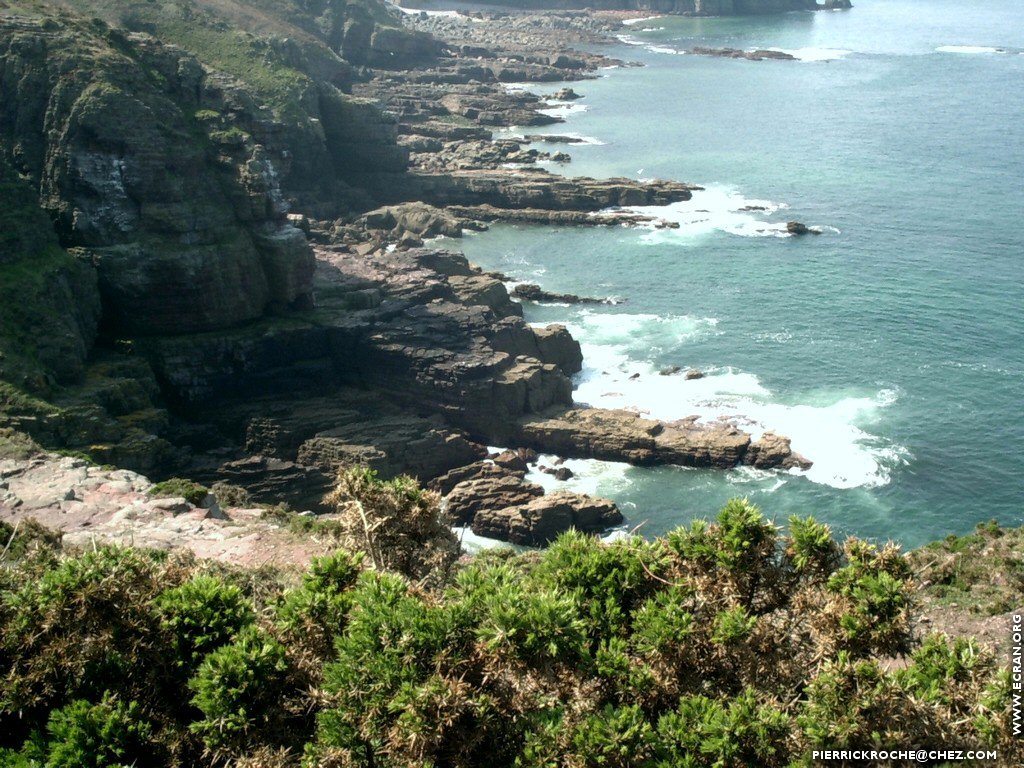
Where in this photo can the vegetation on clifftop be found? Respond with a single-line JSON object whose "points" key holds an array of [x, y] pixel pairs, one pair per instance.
{"points": [[721, 644]]}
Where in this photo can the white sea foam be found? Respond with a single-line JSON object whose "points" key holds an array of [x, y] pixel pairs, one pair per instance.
{"points": [[827, 429], [418, 11], [563, 109], [815, 54], [581, 139], [713, 209], [590, 476], [631, 40], [631, 22], [665, 49], [968, 49]]}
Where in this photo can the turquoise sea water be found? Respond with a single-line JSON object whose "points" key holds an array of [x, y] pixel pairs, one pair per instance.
{"points": [[890, 347]]}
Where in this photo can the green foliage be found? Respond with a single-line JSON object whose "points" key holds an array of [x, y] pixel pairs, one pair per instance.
{"points": [[193, 493], [110, 733], [397, 523], [314, 614], [236, 688], [390, 650], [733, 626], [202, 614], [25, 538], [82, 623], [810, 546], [228, 495], [718, 646], [873, 601], [705, 732], [617, 737], [16, 445], [664, 624], [516, 618], [609, 580]]}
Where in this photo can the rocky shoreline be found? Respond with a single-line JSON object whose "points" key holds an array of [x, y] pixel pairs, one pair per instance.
{"points": [[298, 324]]}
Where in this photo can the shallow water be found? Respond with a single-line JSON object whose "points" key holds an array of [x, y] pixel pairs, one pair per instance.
{"points": [[890, 347]]}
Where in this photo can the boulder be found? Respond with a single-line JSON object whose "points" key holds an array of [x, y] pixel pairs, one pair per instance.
{"points": [[565, 94], [798, 228], [542, 519], [511, 460], [774, 451], [444, 484], [469, 498]]}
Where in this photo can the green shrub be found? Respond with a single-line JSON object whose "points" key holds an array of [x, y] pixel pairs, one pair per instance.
{"points": [[202, 614], [395, 642], [314, 614], [616, 737], [735, 734], [518, 619], [610, 580], [193, 493], [27, 537], [228, 495], [396, 523], [870, 612], [733, 626], [811, 547], [236, 689], [664, 624], [80, 624], [111, 733]]}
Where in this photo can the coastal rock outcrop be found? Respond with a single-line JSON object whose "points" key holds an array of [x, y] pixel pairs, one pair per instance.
{"points": [[619, 435], [533, 292], [540, 520], [472, 497]]}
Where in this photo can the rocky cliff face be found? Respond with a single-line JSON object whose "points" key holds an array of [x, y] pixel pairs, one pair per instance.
{"points": [[162, 309], [186, 227]]}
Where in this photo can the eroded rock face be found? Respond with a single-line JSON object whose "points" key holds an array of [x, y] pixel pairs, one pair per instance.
{"points": [[541, 520], [470, 498], [120, 170], [423, 327]]}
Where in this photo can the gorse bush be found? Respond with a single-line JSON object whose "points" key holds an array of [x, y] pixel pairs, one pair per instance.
{"points": [[724, 644], [237, 688], [110, 733], [202, 614]]}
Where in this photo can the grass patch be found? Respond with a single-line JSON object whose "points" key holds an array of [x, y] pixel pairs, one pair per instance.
{"points": [[175, 487]]}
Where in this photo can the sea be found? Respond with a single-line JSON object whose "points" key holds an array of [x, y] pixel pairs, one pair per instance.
{"points": [[889, 347]]}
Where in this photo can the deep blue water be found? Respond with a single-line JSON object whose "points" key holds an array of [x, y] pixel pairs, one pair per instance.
{"points": [[890, 347]]}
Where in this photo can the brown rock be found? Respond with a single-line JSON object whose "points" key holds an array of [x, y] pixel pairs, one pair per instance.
{"points": [[510, 460], [617, 435], [542, 519], [444, 484], [774, 451], [469, 498]]}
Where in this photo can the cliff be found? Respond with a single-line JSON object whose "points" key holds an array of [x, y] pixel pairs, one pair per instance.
{"points": [[195, 280]]}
